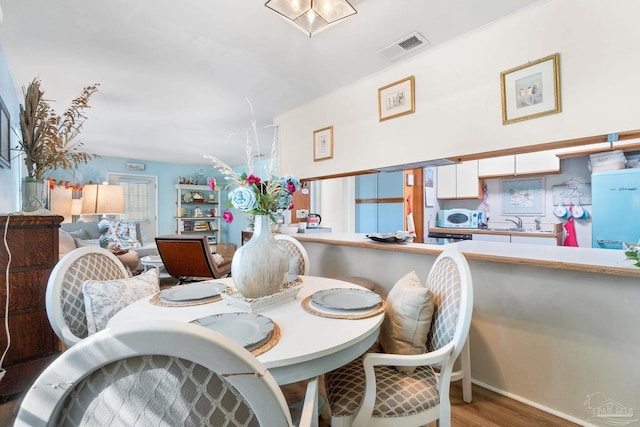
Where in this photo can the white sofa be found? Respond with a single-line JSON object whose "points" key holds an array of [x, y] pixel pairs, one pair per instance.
{"points": [[81, 233]]}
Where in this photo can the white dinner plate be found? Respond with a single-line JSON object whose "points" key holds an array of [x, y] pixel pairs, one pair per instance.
{"points": [[193, 291], [247, 329], [345, 298], [350, 312]]}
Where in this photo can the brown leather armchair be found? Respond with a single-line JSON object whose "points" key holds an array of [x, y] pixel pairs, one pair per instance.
{"points": [[188, 258]]}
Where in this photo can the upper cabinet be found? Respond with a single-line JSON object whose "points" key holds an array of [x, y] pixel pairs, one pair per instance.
{"points": [[536, 162], [458, 181], [497, 166]]}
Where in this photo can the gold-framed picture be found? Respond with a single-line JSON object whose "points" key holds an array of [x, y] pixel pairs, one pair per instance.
{"points": [[396, 99], [531, 90], [323, 144]]}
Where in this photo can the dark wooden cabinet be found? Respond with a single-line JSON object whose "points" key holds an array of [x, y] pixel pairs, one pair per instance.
{"points": [[33, 244]]}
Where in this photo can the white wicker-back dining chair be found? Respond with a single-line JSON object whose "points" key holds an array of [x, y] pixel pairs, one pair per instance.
{"points": [[295, 249], [371, 392], [64, 298], [156, 373]]}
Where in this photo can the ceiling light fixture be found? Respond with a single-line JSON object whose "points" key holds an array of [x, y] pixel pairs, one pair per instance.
{"points": [[312, 15]]}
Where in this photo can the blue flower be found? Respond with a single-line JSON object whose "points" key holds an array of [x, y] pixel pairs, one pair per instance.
{"points": [[290, 183], [243, 198], [284, 200]]}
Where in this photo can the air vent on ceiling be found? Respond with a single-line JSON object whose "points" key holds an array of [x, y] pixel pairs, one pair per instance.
{"points": [[403, 46]]}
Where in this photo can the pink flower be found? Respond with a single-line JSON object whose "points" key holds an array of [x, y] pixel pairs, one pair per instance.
{"points": [[253, 180], [227, 216], [291, 187], [212, 183]]}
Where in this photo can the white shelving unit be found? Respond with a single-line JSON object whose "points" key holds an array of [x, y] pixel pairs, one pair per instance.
{"points": [[198, 215]]}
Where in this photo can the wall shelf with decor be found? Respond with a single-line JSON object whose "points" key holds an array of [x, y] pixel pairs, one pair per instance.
{"points": [[198, 211]]}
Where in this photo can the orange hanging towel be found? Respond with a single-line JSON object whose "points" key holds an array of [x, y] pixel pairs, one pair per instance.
{"points": [[571, 239]]}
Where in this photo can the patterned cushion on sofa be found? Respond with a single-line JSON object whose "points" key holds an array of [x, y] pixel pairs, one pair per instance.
{"points": [[122, 235]]}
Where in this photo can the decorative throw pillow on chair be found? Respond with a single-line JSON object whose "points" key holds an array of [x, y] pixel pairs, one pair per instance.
{"points": [[103, 299], [407, 319]]}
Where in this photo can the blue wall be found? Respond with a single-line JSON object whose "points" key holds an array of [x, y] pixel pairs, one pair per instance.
{"points": [[9, 178], [96, 171]]}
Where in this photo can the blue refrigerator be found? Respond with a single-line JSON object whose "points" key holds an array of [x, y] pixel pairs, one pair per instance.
{"points": [[615, 205]]}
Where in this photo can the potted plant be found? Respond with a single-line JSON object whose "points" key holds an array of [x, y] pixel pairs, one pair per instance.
{"points": [[48, 140]]}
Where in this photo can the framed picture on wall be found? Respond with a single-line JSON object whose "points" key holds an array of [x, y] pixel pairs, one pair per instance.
{"points": [[396, 99], [5, 136], [323, 144], [531, 90], [522, 196]]}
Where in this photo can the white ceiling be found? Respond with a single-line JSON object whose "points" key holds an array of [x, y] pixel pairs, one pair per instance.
{"points": [[175, 75]]}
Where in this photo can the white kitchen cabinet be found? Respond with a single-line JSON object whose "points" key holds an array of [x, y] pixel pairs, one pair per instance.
{"points": [[582, 150], [534, 240], [502, 238], [497, 166], [446, 182], [459, 181], [537, 162]]}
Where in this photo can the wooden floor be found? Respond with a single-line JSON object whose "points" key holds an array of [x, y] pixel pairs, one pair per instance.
{"points": [[488, 409]]}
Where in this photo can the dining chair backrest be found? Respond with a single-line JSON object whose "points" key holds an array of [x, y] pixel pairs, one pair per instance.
{"points": [[450, 282], [187, 257], [295, 249], [156, 373], [64, 298]]}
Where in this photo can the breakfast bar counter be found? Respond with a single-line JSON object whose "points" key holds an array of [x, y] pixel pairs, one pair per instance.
{"points": [[551, 325], [592, 260]]}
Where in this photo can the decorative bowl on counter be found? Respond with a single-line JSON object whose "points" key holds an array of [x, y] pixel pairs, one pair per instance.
{"points": [[397, 237], [288, 229]]}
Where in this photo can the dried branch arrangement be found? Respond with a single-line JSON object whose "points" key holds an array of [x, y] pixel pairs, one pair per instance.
{"points": [[47, 138]]}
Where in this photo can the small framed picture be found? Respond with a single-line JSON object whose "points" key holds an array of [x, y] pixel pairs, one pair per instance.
{"points": [[396, 99], [323, 144], [523, 196], [5, 137], [531, 90]]}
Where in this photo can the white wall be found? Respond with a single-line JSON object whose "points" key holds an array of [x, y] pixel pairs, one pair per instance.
{"points": [[336, 203], [458, 108]]}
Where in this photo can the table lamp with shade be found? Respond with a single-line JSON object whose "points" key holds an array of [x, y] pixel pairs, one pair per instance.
{"points": [[76, 210], [103, 199]]}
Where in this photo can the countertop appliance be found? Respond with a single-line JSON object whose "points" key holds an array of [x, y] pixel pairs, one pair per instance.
{"points": [[443, 238], [457, 218], [313, 220], [615, 216]]}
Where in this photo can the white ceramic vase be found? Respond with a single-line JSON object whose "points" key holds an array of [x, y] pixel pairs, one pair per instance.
{"points": [[260, 266]]}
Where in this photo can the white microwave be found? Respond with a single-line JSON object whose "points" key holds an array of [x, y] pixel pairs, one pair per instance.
{"points": [[457, 218]]}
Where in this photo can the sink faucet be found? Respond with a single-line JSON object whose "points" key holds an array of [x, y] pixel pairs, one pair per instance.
{"points": [[518, 223]]}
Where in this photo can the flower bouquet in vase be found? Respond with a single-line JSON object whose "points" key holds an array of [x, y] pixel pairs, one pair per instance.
{"points": [[259, 267]]}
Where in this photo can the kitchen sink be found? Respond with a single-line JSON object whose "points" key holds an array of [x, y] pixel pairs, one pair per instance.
{"points": [[518, 230]]}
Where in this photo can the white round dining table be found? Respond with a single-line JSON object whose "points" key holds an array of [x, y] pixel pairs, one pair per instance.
{"points": [[309, 344]]}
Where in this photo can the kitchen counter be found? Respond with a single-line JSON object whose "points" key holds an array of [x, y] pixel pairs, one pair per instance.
{"points": [[504, 231], [604, 261]]}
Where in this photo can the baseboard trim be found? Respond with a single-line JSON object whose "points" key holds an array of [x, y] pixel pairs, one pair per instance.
{"points": [[534, 404]]}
